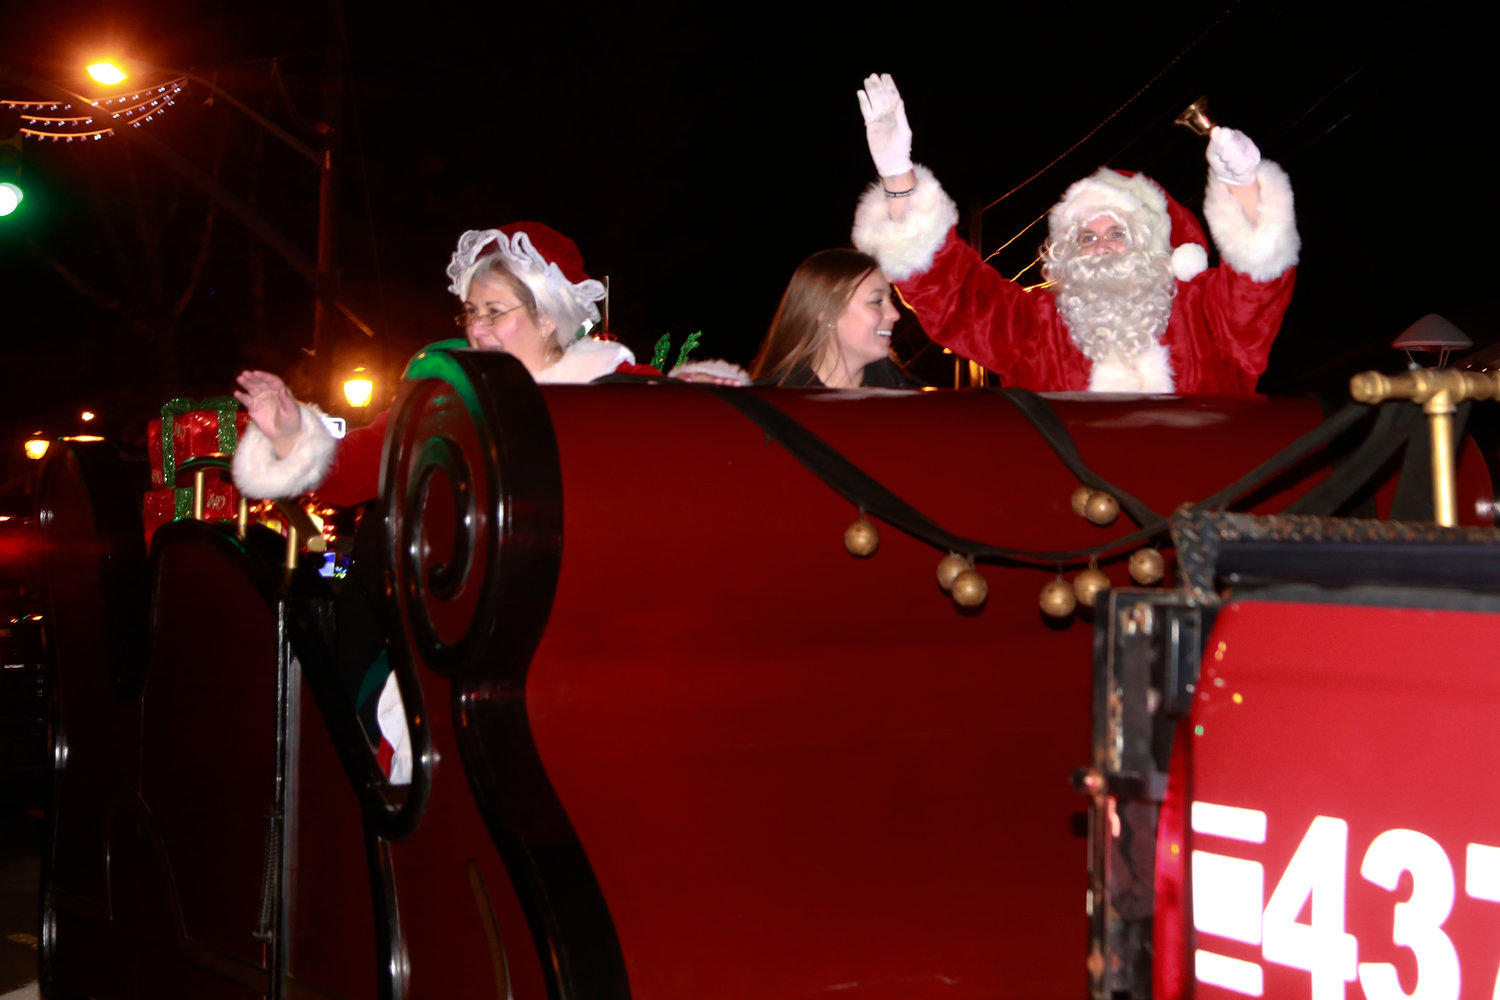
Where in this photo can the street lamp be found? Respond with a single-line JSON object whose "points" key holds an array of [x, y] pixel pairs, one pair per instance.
{"points": [[36, 448], [106, 73], [358, 388], [323, 274], [57, 119]]}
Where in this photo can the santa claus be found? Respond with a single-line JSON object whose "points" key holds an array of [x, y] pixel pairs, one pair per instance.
{"points": [[1131, 304]]}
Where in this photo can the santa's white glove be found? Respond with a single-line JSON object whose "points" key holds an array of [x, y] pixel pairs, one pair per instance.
{"points": [[886, 129], [1232, 157]]}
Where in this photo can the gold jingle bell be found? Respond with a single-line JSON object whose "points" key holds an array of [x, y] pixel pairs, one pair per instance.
{"points": [[1057, 599], [1080, 500], [1089, 584], [1102, 508], [1147, 566], [948, 570], [861, 539], [969, 589]]}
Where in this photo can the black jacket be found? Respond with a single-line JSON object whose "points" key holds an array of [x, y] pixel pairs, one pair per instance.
{"points": [[882, 374]]}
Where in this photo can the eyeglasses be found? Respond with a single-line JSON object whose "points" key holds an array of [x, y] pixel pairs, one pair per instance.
{"points": [[465, 320], [1116, 234]]}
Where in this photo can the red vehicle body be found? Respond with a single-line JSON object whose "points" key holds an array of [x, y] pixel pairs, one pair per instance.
{"points": [[674, 741]]}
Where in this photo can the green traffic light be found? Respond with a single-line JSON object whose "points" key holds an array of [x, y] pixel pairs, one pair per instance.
{"points": [[10, 160], [10, 197]]}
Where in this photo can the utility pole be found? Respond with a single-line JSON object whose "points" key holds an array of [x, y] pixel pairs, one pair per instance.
{"points": [[331, 129]]}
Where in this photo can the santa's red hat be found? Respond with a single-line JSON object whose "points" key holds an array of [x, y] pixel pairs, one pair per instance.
{"points": [[549, 263], [1130, 197]]}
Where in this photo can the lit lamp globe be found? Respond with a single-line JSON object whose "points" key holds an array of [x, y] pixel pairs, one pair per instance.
{"points": [[358, 390], [11, 197], [106, 73], [36, 448]]}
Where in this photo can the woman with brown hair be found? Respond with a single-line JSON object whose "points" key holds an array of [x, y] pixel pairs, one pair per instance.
{"points": [[833, 327]]}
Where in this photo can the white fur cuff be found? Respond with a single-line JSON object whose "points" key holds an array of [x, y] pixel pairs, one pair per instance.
{"points": [[1262, 249], [260, 474], [906, 248], [714, 367]]}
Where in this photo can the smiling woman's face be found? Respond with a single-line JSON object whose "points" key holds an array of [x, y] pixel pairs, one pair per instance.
{"points": [[500, 321], [863, 333]]}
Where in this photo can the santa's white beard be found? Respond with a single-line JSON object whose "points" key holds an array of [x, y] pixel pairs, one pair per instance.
{"points": [[1116, 305]]}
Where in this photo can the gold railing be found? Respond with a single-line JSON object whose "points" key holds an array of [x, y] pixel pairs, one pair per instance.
{"points": [[1439, 392]]}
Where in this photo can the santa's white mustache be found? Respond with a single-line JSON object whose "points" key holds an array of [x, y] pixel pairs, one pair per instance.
{"points": [[1124, 264]]}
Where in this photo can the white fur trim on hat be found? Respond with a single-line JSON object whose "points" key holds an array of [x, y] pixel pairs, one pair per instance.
{"points": [[906, 248], [716, 367], [1109, 192], [1188, 261], [545, 279], [1262, 249], [585, 360], [259, 473], [1150, 372]]}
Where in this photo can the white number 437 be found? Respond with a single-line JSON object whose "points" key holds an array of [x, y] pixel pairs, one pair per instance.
{"points": [[1227, 893]]}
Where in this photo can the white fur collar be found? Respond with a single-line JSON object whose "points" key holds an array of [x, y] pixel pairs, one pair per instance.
{"points": [[585, 360], [1150, 372]]}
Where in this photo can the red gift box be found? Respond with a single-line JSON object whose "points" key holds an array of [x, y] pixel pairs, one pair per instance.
{"points": [[209, 426], [221, 502]]}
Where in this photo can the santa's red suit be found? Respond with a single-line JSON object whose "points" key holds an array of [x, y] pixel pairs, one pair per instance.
{"points": [[1223, 319]]}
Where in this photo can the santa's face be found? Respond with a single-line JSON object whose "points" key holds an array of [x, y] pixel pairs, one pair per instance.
{"points": [[1103, 235], [863, 333], [499, 322]]}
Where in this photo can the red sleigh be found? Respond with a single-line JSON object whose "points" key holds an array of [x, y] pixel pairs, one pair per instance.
{"points": [[671, 740]]}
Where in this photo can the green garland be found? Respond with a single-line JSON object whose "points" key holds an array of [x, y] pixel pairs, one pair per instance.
{"points": [[664, 347], [687, 348]]}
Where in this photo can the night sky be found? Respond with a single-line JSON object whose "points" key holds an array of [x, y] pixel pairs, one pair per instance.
{"points": [[697, 157]]}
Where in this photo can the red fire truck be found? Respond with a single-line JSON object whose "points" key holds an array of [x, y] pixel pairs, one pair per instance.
{"points": [[693, 714]]}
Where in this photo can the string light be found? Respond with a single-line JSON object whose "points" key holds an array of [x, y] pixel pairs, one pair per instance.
{"points": [[1028, 267], [144, 105], [1008, 242]]}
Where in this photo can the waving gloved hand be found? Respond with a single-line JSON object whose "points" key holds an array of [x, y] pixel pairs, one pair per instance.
{"points": [[1232, 157], [886, 129]]}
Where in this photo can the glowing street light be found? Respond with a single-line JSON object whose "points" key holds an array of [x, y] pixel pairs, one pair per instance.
{"points": [[322, 273], [10, 197], [359, 389], [87, 415], [106, 73], [36, 448]]}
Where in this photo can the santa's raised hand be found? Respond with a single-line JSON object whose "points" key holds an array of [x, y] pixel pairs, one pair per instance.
{"points": [[272, 408], [1232, 157], [886, 128]]}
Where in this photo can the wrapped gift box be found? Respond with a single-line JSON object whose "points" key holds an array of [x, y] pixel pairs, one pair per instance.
{"points": [[221, 501], [192, 429]]}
